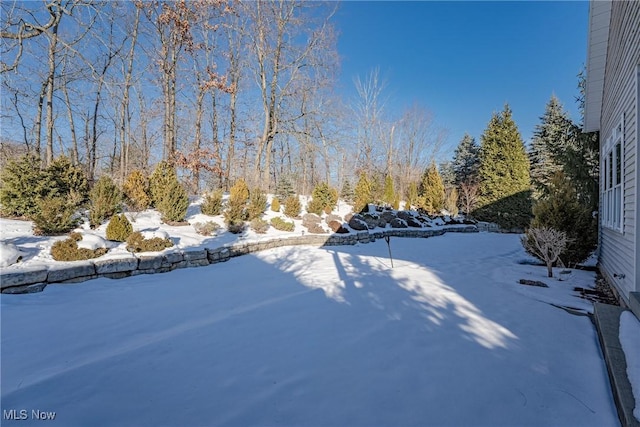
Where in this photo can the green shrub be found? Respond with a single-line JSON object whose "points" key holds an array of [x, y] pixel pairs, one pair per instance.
{"points": [[105, 201], [136, 190], [396, 203], [212, 203], [62, 178], [315, 206], [292, 207], [561, 210], [206, 228], [21, 181], [363, 193], [68, 250], [259, 225], [119, 228], [388, 196], [412, 195], [236, 211], [55, 215], [257, 204], [175, 203], [275, 204], [137, 243], [431, 192], [280, 224], [161, 179], [323, 198]]}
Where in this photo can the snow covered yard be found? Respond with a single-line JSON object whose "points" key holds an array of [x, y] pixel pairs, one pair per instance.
{"points": [[313, 336]]}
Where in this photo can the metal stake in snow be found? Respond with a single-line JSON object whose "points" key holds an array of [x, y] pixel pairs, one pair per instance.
{"points": [[387, 239]]}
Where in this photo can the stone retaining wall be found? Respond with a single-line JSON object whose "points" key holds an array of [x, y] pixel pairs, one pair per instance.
{"points": [[35, 279]]}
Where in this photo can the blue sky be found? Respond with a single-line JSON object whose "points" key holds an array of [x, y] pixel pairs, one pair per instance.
{"points": [[464, 60]]}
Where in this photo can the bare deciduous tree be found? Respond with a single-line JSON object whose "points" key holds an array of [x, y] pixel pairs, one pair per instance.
{"points": [[546, 244]]}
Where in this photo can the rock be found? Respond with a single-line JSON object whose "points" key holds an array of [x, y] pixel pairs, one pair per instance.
{"points": [[374, 220], [150, 262], [388, 216], [348, 216], [405, 215], [194, 255], [332, 217], [315, 228], [58, 273], [116, 265], [398, 223], [413, 222], [533, 283], [357, 223], [337, 227], [310, 218], [26, 276], [26, 289]]}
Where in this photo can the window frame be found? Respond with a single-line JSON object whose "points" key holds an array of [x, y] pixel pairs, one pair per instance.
{"points": [[613, 179]]}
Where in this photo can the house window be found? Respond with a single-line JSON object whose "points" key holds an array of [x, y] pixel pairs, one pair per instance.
{"points": [[613, 200]]}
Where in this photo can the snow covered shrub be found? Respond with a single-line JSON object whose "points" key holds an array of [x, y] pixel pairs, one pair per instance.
{"points": [[280, 224], [137, 243], [68, 250], [212, 203], [136, 190], [259, 225], [292, 206], [275, 204], [54, 215], [206, 228], [105, 199], [119, 228], [236, 211], [560, 209], [323, 198], [363, 194], [257, 204], [173, 206], [162, 177], [546, 244]]}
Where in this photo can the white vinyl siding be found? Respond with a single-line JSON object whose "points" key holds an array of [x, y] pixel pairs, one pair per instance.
{"points": [[618, 239]]}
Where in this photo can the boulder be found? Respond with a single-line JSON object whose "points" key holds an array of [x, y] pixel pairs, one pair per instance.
{"points": [[357, 223], [26, 276], [413, 222], [388, 216], [310, 218], [116, 265], [398, 223], [337, 227], [332, 217], [58, 273], [315, 228]]}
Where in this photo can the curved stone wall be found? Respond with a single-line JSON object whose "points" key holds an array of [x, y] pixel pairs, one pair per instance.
{"points": [[35, 279]]}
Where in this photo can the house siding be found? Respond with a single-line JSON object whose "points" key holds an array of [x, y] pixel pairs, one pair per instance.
{"points": [[618, 252]]}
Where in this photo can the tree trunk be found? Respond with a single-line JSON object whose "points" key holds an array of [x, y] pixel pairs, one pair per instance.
{"points": [[50, 89]]}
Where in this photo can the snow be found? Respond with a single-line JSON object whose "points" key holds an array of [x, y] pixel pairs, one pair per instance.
{"points": [[9, 254], [629, 333], [313, 336], [92, 241]]}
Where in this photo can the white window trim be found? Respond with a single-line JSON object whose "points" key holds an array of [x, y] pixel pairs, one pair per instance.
{"points": [[613, 192]]}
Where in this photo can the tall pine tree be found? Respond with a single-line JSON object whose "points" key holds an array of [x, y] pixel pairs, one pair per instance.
{"points": [[550, 138], [505, 196], [466, 161]]}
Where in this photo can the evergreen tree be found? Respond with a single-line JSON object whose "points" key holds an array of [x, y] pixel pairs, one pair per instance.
{"points": [[466, 161], [412, 195], [21, 181], [346, 193], [284, 189], [447, 174], [162, 177], [550, 138], [363, 193], [431, 192], [505, 195], [389, 195], [561, 210]]}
